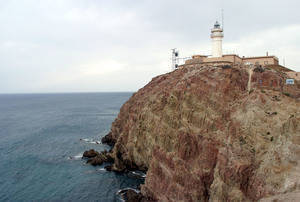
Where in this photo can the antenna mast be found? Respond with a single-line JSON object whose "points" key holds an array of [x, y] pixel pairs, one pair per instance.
{"points": [[223, 19]]}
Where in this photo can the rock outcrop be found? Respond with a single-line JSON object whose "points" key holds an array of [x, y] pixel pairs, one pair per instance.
{"points": [[203, 135], [90, 153], [95, 158]]}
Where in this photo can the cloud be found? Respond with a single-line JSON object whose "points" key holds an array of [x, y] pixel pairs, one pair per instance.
{"points": [[119, 45], [281, 42]]}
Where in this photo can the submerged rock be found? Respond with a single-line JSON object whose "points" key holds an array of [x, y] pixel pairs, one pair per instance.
{"points": [[203, 136]]}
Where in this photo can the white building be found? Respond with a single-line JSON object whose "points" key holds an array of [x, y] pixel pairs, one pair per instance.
{"points": [[217, 36]]}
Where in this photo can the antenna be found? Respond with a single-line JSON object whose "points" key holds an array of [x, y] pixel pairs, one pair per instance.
{"points": [[175, 54], [222, 19]]}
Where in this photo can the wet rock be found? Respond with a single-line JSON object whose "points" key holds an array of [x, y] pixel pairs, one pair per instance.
{"points": [[96, 158], [108, 168], [108, 139], [107, 156], [90, 154], [132, 196], [96, 161]]}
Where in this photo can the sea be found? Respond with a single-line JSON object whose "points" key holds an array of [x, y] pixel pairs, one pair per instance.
{"points": [[42, 139]]}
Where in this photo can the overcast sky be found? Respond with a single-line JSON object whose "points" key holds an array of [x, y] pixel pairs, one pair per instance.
{"points": [[119, 45]]}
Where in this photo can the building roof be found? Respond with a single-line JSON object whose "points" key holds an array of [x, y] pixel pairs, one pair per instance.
{"points": [[256, 57]]}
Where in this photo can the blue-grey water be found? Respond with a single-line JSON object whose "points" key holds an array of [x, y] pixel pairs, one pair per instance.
{"points": [[40, 147]]}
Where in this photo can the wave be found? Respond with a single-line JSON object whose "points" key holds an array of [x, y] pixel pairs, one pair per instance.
{"points": [[121, 193], [91, 141], [138, 174], [76, 157]]}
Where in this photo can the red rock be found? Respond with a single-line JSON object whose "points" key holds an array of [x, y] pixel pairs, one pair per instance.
{"points": [[203, 136]]}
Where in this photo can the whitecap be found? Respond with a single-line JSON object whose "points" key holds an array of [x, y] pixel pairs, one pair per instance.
{"points": [[85, 139], [76, 157], [91, 141], [138, 173], [122, 191], [94, 142], [120, 194]]}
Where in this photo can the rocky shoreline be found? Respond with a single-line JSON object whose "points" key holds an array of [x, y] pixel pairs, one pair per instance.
{"points": [[96, 158]]}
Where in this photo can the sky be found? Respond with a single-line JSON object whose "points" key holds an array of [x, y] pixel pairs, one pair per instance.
{"points": [[120, 45]]}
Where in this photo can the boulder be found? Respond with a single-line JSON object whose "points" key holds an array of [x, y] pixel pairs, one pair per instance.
{"points": [[90, 154], [96, 158]]}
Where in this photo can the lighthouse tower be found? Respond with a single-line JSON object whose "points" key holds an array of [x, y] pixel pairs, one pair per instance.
{"points": [[216, 36]]}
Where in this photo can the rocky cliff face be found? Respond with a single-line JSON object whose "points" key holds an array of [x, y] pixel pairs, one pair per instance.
{"points": [[207, 134]]}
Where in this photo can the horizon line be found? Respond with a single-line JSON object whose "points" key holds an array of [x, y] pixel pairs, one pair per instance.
{"points": [[28, 93]]}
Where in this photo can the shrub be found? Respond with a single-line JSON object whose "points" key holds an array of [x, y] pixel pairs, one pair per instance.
{"points": [[259, 69], [226, 67]]}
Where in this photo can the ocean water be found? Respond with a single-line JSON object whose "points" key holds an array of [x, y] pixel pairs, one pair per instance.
{"points": [[40, 147]]}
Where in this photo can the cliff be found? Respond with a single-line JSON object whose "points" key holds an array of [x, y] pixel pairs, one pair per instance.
{"points": [[207, 133]]}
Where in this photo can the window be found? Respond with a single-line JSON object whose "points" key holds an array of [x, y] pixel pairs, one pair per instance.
{"points": [[256, 63]]}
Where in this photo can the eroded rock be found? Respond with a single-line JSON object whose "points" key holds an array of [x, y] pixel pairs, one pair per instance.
{"points": [[91, 153], [203, 137], [95, 158], [108, 139]]}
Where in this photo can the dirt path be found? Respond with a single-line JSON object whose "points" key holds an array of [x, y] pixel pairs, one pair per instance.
{"points": [[250, 71]]}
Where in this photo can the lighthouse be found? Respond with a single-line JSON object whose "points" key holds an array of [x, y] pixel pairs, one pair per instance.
{"points": [[216, 37]]}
